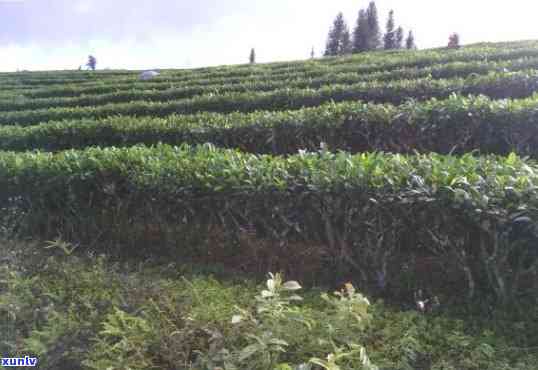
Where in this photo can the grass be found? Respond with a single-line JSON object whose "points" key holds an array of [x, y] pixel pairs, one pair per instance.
{"points": [[77, 310]]}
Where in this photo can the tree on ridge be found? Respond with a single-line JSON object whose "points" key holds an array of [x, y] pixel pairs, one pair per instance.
{"points": [[410, 41], [338, 40], [361, 33], [374, 31], [389, 40], [399, 37]]}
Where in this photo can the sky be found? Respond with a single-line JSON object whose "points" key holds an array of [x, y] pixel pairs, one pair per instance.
{"points": [[60, 34]]}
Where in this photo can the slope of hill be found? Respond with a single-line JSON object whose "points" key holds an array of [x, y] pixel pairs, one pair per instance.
{"points": [[397, 171]]}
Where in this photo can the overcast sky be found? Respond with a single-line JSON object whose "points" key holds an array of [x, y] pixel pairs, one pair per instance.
{"points": [[59, 34]]}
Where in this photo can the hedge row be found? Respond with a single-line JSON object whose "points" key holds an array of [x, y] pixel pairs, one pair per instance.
{"points": [[67, 96], [71, 78], [73, 90], [364, 63], [53, 77], [167, 82], [516, 85], [467, 52], [64, 73], [362, 212], [198, 171], [455, 125]]}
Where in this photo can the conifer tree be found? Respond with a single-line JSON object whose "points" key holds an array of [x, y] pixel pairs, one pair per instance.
{"points": [[374, 31], [389, 40], [360, 33], [312, 53], [399, 37], [338, 40], [410, 41], [346, 45], [252, 57]]}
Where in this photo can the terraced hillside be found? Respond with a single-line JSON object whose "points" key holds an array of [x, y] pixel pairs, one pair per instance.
{"points": [[394, 170], [123, 184]]}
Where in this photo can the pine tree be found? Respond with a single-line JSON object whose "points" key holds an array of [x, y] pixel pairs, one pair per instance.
{"points": [[374, 31], [410, 41], [252, 57], [360, 33], [338, 40], [389, 40], [346, 45], [312, 53], [335, 34], [399, 37]]}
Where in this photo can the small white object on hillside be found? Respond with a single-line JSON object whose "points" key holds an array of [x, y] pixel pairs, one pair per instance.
{"points": [[148, 75]]}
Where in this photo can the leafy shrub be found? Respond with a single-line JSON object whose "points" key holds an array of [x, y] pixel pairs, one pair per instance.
{"points": [[366, 214], [455, 125]]}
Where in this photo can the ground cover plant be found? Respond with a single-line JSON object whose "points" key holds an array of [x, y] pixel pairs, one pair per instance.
{"points": [[153, 315]]}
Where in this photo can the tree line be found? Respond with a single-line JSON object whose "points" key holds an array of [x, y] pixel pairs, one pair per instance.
{"points": [[366, 35]]}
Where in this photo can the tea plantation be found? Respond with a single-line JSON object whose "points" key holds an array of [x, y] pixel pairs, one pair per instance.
{"points": [[139, 219]]}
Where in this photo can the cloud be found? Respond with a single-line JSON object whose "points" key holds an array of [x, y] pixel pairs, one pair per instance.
{"points": [[83, 6]]}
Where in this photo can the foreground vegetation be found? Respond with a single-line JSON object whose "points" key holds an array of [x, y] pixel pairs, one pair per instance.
{"points": [[150, 315], [365, 214]]}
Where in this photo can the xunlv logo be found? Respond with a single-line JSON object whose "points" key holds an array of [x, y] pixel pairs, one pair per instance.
{"points": [[19, 361]]}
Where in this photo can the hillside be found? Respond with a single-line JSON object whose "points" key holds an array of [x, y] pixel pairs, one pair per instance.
{"points": [[399, 171]]}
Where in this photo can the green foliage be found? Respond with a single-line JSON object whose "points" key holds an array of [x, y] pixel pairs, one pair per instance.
{"points": [[368, 66], [338, 40], [399, 37], [389, 39], [254, 96], [360, 33], [315, 76], [461, 210], [269, 339], [123, 343], [340, 355], [54, 315], [456, 125], [147, 316], [458, 227], [26, 82], [495, 85], [410, 43], [374, 31]]}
